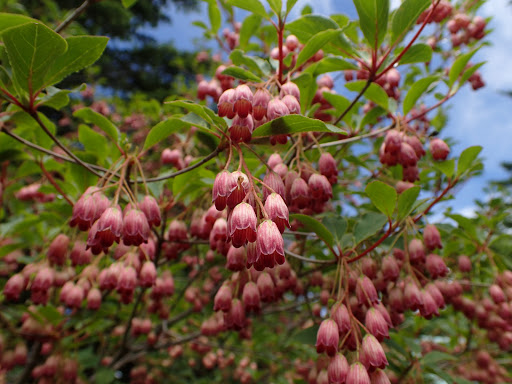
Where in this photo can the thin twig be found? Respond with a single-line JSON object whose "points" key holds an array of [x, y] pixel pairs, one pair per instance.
{"points": [[77, 12], [54, 183], [361, 93], [33, 359], [355, 138], [313, 261]]}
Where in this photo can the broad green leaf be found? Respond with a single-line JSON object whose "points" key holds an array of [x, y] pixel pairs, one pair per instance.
{"points": [[163, 130], [249, 27], [466, 159], [418, 53], [128, 3], [93, 117], [294, 124], [307, 336], [314, 44], [50, 314], [405, 17], [337, 225], [32, 49], [9, 20], [214, 15], [313, 225], [368, 225], [468, 72], [202, 111], [307, 87], [431, 359], [255, 64], [330, 64], [55, 98], [371, 117], [374, 92], [242, 74], [340, 103], [92, 141], [82, 52], [373, 20], [458, 66], [382, 196], [276, 6], [468, 225], [289, 5], [417, 89], [447, 167], [309, 25], [406, 201], [253, 6], [341, 20]]}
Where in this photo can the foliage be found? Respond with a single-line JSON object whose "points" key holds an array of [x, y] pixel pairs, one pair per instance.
{"points": [[310, 143]]}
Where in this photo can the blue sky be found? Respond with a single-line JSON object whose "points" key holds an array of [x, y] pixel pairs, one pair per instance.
{"points": [[475, 118]]}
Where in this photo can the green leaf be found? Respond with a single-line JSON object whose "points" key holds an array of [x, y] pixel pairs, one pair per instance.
{"points": [[313, 225], [314, 44], [468, 225], [128, 3], [340, 103], [93, 117], [307, 336], [92, 141], [382, 196], [417, 89], [468, 72], [249, 27], [447, 167], [50, 314], [330, 64], [309, 25], [9, 20], [418, 53], [307, 87], [431, 359], [369, 224], [104, 376], [163, 130], [405, 17], [467, 157], [373, 19], [254, 63], [289, 5], [337, 225], [374, 92], [371, 117], [202, 111], [214, 15], [406, 201], [32, 49], [276, 6], [55, 98], [294, 124], [253, 6], [458, 66], [82, 52], [242, 74]]}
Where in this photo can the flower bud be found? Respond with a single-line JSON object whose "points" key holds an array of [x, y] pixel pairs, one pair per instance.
{"points": [[376, 324], [412, 296], [109, 228], [223, 299], [88, 209], [372, 353], [276, 108], [379, 377], [224, 184], [277, 211], [366, 292], [415, 143], [58, 249], [439, 149], [241, 129], [238, 193], [149, 206], [147, 274], [416, 251], [407, 156], [390, 268], [393, 141], [431, 237], [429, 307], [75, 296], [242, 225], [235, 260], [266, 287], [260, 104], [43, 280], [497, 294], [339, 313], [235, 319], [327, 166], [292, 104], [94, 299], [290, 88], [226, 104], [300, 193], [464, 263], [327, 338], [320, 187], [251, 297], [291, 42], [14, 286], [127, 281]]}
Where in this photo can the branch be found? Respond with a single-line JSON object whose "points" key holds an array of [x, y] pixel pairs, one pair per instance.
{"points": [[77, 12], [54, 183], [33, 359], [355, 138], [347, 110], [313, 261], [185, 170]]}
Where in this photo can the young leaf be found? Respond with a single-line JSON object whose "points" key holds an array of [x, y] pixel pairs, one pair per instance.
{"points": [[9, 20], [374, 92], [373, 19], [241, 74], [253, 6], [32, 49], [276, 6], [307, 86], [330, 64], [405, 17], [340, 103], [93, 117], [314, 44], [382, 196], [313, 225], [82, 52], [128, 3], [163, 130], [459, 65], [294, 124], [447, 167], [309, 25], [466, 159], [289, 5], [337, 225], [92, 141], [406, 201], [418, 53], [215, 16], [417, 89], [249, 26], [203, 112], [369, 224]]}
